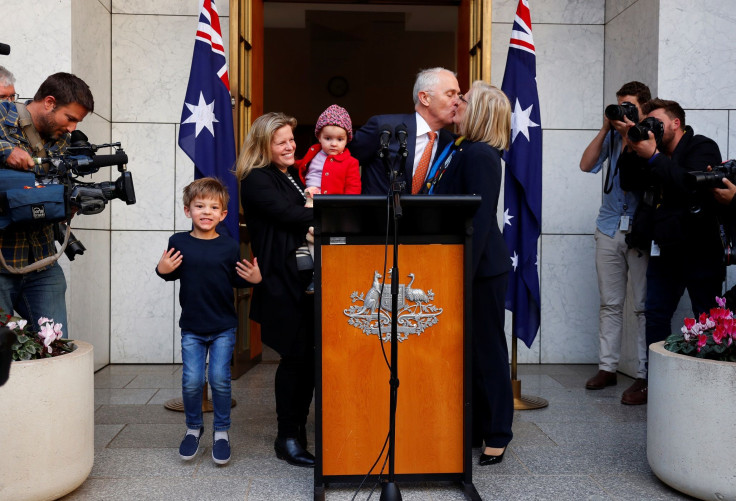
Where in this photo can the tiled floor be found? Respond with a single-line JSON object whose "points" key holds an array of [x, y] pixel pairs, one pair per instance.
{"points": [[584, 446]]}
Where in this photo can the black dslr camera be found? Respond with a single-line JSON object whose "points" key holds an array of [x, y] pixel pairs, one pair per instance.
{"points": [[640, 132], [714, 178], [619, 111]]}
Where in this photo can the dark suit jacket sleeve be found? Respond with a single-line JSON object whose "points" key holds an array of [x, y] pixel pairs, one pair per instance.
{"points": [[364, 147]]}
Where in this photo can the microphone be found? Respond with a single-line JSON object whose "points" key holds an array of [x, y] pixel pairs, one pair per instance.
{"points": [[4, 49], [401, 135], [385, 136]]}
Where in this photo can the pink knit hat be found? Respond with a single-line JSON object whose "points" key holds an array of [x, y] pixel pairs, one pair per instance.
{"points": [[335, 115]]}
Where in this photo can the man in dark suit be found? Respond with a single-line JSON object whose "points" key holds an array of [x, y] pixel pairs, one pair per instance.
{"points": [[436, 96]]}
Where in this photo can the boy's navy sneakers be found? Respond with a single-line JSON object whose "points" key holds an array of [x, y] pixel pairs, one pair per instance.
{"points": [[221, 450], [190, 445]]}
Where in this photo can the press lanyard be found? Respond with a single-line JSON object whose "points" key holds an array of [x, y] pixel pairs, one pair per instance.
{"points": [[440, 165]]}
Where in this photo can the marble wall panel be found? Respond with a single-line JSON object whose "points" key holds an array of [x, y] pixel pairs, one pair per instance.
{"points": [[154, 91], [713, 124], [89, 301], [553, 11], [166, 7], [141, 303], [151, 152], [91, 43], [184, 176], [570, 300], [570, 197], [39, 28], [569, 72], [631, 48], [616, 7], [694, 62]]}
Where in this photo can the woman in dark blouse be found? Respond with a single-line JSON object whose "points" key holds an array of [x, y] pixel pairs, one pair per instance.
{"points": [[273, 200], [484, 120]]}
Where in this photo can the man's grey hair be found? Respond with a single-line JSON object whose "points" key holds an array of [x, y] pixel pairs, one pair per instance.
{"points": [[6, 77], [427, 80]]}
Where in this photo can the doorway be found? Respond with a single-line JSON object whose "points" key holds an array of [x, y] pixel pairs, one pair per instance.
{"points": [[362, 57]]}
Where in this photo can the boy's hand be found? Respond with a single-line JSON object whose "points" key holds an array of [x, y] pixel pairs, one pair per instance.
{"points": [[248, 271], [170, 260]]}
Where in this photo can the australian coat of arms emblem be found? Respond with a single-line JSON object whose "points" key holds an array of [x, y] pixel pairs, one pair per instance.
{"points": [[415, 310]]}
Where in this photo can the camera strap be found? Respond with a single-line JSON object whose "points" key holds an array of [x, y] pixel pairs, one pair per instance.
{"points": [[42, 263], [608, 182], [34, 138]]}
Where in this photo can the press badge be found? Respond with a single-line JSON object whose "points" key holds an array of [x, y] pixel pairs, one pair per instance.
{"points": [[624, 224], [655, 249]]}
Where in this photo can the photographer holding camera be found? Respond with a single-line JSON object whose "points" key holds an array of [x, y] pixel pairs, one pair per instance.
{"points": [[617, 265], [61, 102], [677, 224]]}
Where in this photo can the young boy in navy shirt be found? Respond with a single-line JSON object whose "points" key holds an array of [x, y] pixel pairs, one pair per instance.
{"points": [[208, 266]]}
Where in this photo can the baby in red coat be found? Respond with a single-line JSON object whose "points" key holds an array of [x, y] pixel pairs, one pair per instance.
{"points": [[328, 168]]}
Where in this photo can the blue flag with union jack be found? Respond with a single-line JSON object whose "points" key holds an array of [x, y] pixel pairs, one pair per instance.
{"points": [[523, 184], [206, 131]]}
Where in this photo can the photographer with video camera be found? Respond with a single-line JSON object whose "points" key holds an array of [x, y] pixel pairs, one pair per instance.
{"points": [[616, 264], [675, 223], [61, 102]]}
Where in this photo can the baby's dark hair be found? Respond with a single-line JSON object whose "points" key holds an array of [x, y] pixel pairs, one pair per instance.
{"points": [[207, 187]]}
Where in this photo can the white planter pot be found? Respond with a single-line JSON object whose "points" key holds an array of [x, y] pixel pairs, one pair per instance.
{"points": [[47, 415], [691, 418]]}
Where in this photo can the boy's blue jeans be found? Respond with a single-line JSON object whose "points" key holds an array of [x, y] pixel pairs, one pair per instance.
{"points": [[194, 348]]}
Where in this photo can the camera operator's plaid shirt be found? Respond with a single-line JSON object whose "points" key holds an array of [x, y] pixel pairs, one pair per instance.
{"points": [[21, 247]]}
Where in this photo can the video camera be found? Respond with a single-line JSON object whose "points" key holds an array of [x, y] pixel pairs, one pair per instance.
{"points": [[80, 159]]}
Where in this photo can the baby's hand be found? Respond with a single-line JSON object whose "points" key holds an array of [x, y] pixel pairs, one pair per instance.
{"points": [[249, 272], [311, 191], [310, 235], [170, 260]]}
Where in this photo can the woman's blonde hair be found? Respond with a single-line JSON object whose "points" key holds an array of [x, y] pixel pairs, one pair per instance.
{"points": [[256, 151], [487, 117]]}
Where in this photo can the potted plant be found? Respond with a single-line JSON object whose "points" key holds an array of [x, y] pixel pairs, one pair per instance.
{"points": [[51, 380], [691, 410]]}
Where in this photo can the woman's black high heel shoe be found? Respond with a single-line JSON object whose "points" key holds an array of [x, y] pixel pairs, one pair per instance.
{"points": [[486, 459]]}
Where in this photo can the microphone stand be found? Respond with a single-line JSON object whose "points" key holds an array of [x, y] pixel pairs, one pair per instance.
{"points": [[390, 490]]}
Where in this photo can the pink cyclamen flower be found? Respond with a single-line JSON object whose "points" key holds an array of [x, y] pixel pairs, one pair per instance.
{"points": [[49, 334], [703, 318], [702, 339], [721, 301], [718, 334], [43, 320], [689, 322]]}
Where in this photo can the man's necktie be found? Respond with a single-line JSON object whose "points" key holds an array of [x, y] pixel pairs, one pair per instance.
{"points": [[421, 172]]}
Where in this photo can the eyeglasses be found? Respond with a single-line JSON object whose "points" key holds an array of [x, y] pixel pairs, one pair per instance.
{"points": [[9, 97], [462, 98]]}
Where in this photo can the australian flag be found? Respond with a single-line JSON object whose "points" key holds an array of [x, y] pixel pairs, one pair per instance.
{"points": [[206, 131], [523, 184]]}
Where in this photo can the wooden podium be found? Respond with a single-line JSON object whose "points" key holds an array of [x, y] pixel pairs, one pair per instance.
{"points": [[353, 327]]}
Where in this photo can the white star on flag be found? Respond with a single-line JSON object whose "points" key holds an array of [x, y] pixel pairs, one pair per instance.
{"points": [[515, 260], [203, 115], [520, 121], [507, 218]]}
